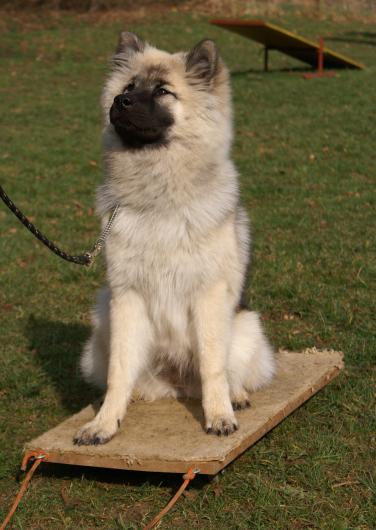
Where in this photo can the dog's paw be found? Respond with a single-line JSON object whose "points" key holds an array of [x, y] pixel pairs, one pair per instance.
{"points": [[93, 433], [241, 404], [222, 425], [241, 400]]}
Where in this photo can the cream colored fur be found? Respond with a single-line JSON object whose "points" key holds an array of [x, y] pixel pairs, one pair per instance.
{"points": [[167, 324]]}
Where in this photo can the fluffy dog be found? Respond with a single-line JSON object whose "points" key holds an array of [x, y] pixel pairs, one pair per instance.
{"points": [[170, 322]]}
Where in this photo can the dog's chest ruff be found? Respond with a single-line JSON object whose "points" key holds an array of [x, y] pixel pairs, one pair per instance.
{"points": [[157, 259], [147, 253], [168, 262]]}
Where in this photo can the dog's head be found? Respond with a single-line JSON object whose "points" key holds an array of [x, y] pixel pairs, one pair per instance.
{"points": [[153, 98]]}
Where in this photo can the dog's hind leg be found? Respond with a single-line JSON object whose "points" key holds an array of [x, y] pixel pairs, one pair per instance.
{"points": [[130, 344], [94, 358], [251, 363]]}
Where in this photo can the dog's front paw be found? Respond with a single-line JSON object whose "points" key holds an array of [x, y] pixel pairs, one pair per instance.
{"points": [[222, 425], [94, 433]]}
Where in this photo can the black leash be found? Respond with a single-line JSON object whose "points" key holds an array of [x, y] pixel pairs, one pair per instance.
{"points": [[83, 259]]}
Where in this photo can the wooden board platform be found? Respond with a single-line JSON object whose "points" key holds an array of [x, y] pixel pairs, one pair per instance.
{"points": [[167, 435], [274, 37]]}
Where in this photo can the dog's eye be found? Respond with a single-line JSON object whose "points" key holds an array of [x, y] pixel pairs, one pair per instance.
{"points": [[161, 92], [129, 87]]}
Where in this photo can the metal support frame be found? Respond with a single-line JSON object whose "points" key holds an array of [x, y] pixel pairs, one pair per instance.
{"points": [[266, 59], [320, 64]]}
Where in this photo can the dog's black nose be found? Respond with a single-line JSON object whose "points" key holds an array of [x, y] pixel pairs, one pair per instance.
{"points": [[122, 101]]}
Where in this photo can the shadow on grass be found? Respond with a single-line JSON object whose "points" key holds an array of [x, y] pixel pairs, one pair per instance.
{"points": [[351, 40], [354, 37], [261, 72], [58, 346], [121, 476]]}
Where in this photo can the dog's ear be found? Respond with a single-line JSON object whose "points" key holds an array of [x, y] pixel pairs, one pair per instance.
{"points": [[129, 42], [202, 62]]}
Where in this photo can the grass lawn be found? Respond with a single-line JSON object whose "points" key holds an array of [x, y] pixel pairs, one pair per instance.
{"points": [[306, 157]]}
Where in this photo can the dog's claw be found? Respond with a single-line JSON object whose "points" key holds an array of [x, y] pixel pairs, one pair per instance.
{"points": [[222, 427], [93, 435], [90, 440]]}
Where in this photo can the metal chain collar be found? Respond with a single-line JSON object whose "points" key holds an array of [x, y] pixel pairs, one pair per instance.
{"points": [[102, 238]]}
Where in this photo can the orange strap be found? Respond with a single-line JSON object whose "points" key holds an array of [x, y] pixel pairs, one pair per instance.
{"points": [[187, 477], [40, 456], [35, 455], [37, 461]]}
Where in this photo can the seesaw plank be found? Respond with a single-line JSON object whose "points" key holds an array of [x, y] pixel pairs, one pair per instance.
{"points": [[167, 435], [274, 37]]}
